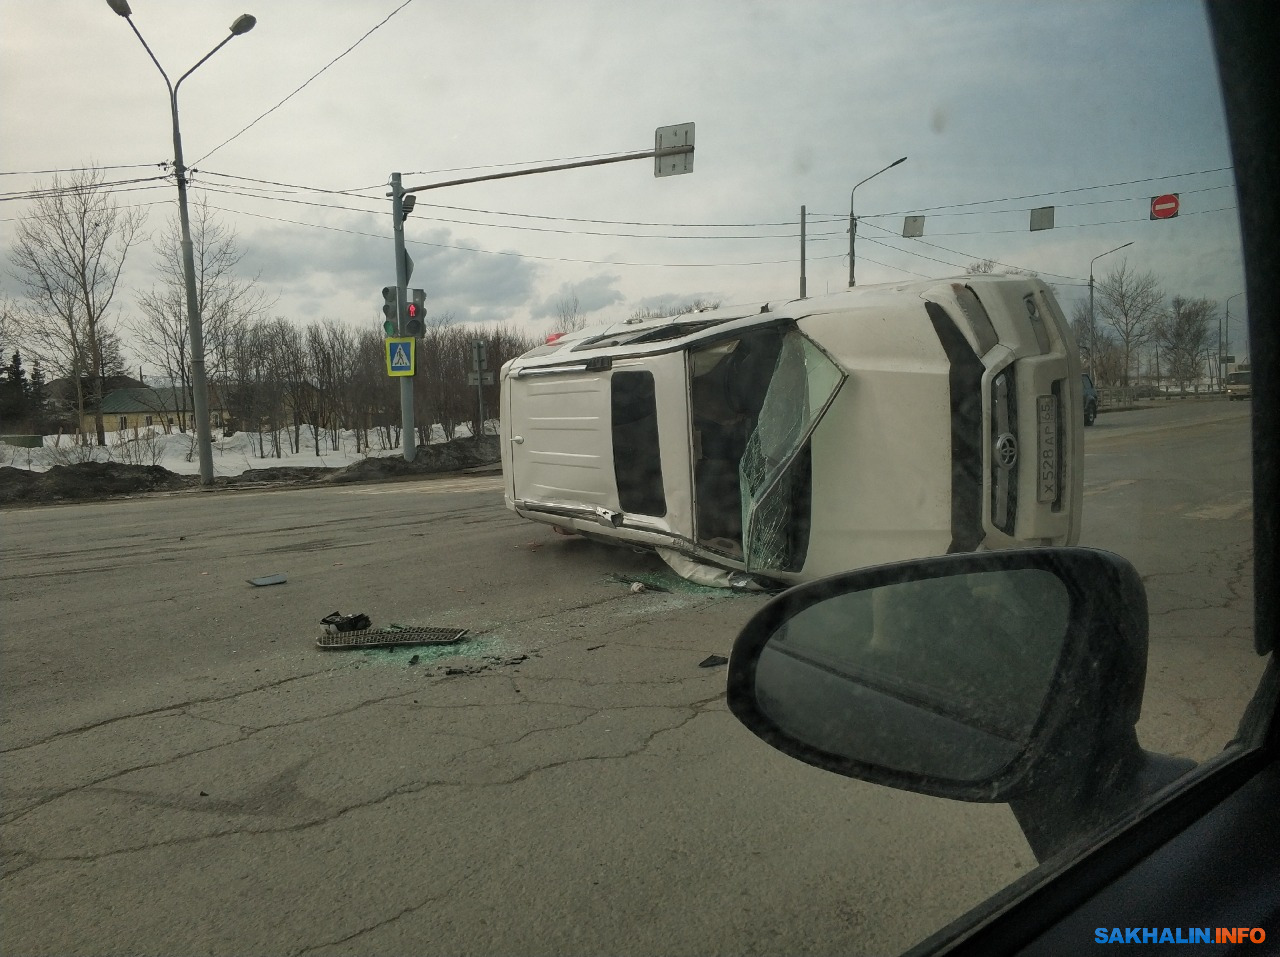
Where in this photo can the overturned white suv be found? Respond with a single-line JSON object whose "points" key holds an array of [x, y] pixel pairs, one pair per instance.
{"points": [[790, 441]]}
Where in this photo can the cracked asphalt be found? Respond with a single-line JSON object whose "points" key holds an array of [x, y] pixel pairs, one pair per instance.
{"points": [[185, 773]]}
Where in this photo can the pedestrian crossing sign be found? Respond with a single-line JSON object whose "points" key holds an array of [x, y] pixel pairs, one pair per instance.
{"points": [[400, 357]]}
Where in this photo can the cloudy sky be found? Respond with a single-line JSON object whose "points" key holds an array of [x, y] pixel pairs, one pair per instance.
{"points": [[1090, 107]]}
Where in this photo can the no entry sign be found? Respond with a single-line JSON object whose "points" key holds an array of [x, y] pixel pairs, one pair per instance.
{"points": [[1164, 207]]}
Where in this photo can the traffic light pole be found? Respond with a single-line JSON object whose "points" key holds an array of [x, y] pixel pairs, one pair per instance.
{"points": [[408, 438], [682, 138], [626, 158]]}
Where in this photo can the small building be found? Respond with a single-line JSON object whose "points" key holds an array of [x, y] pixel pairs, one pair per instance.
{"points": [[125, 410]]}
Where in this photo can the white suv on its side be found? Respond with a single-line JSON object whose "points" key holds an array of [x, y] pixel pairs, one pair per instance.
{"points": [[794, 440]]}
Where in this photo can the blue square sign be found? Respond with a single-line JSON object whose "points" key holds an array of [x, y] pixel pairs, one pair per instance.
{"points": [[400, 357]]}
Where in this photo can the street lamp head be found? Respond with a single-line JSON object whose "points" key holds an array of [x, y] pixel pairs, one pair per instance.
{"points": [[1107, 253], [244, 23], [121, 7], [896, 162]]}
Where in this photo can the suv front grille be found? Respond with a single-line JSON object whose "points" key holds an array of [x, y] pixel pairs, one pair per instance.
{"points": [[1004, 451]]}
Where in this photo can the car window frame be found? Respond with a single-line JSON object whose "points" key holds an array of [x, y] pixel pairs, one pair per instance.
{"points": [[1246, 36]]}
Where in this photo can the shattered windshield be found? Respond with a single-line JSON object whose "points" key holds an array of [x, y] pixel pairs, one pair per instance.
{"points": [[774, 473]]}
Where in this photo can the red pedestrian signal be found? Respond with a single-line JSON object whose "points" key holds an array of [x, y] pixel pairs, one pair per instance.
{"points": [[415, 314]]}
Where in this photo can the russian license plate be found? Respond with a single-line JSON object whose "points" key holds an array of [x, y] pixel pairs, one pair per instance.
{"points": [[1046, 448]]}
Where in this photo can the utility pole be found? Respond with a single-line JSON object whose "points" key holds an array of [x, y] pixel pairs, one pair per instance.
{"points": [[803, 285]]}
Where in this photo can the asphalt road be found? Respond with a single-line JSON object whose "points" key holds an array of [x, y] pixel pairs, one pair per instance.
{"points": [[185, 773]]}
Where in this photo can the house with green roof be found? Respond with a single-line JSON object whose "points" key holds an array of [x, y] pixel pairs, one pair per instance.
{"points": [[124, 410]]}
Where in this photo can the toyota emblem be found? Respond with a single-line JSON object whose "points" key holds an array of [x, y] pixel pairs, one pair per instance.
{"points": [[1006, 450]]}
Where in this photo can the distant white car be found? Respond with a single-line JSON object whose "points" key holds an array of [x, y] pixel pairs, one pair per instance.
{"points": [[799, 439]]}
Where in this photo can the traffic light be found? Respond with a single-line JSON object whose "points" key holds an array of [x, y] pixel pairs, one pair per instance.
{"points": [[389, 326], [415, 314]]}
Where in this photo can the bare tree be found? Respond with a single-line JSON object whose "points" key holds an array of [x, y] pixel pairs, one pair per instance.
{"points": [[1184, 335], [1131, 304], [989, 267], [322, 370], [69, 253], [1082, 329], [248, 390], [226, 303], [663, 312], [1100, 354], [569, 315]]}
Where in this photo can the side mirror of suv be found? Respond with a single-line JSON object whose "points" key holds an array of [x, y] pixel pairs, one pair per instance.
{"points": [[1010, 676]]}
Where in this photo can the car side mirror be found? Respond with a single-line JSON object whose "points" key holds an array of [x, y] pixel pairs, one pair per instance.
{"points": [[1009, 676]]}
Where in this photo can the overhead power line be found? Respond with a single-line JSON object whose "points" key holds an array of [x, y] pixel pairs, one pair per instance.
{"points": [[309, 189], [971, 257], [515, 255], [498, 212], [308, 81], [540, 229], [75, 169], [838, 217], [1106, 222], [1056, 192], [110, 187]]}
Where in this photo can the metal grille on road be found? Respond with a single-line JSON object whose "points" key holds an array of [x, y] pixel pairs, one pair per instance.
{"points": [[386, 638]]}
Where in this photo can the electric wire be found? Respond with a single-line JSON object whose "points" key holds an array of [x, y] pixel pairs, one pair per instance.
{"points": [[1056, 192], [309, 189], [841, 217], [51, 191], [516, 255], [305, 84], [120, 186], [813, 217], [1108, 222], [816, 237], [971, 257], [74, 169], [495, 212]]}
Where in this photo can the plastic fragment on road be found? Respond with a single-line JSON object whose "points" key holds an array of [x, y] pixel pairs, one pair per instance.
{"points": [[645, 583], [338, 622], [389, 638], [713, 661], [267, 580]]}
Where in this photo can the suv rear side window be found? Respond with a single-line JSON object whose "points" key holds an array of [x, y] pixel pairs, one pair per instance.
{"points": [[637, 460]]}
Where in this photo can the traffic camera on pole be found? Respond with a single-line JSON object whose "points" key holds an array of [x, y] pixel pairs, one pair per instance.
{"points": [[389, 326], [415, 314]]}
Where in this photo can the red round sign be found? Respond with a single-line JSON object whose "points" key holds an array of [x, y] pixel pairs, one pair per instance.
{"points": [[1164, 207]]}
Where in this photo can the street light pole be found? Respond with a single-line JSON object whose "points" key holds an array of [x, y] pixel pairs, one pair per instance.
{"points": [[1093, 322], [199, 385], [853, 220]]}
